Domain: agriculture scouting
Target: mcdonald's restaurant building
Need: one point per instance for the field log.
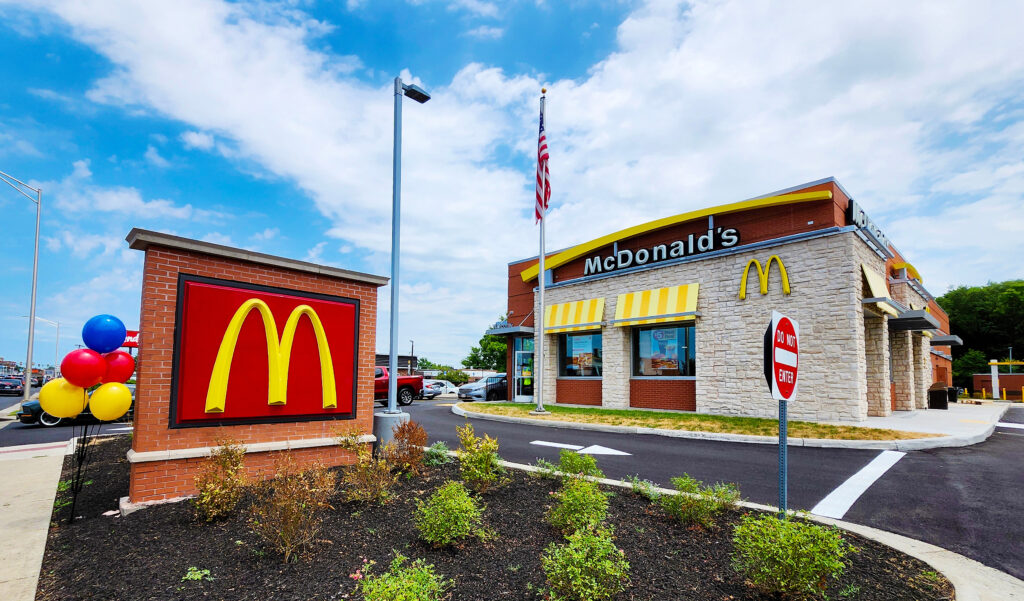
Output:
(671, 314)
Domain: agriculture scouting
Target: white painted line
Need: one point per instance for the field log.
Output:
(559, 445)
(1009, 425)
(785, 357)
(839, 501)
(599, 450)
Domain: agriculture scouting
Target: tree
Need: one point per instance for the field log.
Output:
(491, 353)
(424, 364)
(453, 375)
(989, 319)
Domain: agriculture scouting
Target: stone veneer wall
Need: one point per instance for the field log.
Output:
(922, 369)
(826, 282)
(901, 347)
(876, 341)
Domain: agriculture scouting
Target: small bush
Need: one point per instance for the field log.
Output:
(370, 479)
(437, 454)
(581, 505)
(478, 460)
(414, 582)
(286, 513)
(575, 464)
(410, 438)
(644, 488)
(789, 557)
(697, 504)
(450, 515)
(220, 481)
(587, 567)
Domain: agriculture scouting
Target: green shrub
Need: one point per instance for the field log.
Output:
(369, 479)
(220, 481)
(697, 504)
(546, 470)
(644, 488)
(409, 439)
(414, 582)
(581, 505)
(587, 567)
(436, 454)
(575, 464)
(790, 557)
(449, 515)
(287, 510)
(478, 460)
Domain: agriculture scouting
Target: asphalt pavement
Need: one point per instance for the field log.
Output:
(966, 499)
(13, 433)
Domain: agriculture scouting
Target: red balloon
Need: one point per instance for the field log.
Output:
(120, 367)
(83, 367)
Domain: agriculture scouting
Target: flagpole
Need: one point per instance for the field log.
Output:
(539, 317)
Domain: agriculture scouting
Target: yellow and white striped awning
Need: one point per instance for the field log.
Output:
(876, 284)
(574, 316)
(674, 303)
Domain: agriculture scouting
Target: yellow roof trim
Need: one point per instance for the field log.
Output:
(910, 270)
(758, 203)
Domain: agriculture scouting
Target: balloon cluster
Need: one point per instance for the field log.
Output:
(100, 363)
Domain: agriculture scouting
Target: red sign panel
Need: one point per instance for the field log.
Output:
(782, 356)
(131, 339)
(248, 354)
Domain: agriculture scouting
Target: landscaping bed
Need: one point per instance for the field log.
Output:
(147, 554)
(694, 422)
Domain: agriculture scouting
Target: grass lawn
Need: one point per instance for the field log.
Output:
(693, 422)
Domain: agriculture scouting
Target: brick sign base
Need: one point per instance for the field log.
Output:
(165, 460)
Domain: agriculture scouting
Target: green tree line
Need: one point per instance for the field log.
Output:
(990, 320)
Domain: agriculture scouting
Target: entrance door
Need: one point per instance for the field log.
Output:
(523, 385)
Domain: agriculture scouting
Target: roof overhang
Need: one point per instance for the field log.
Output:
(507, 330)
(915, 321)
(947, 340)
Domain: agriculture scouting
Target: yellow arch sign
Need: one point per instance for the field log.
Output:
(278, 355)
(762, 275)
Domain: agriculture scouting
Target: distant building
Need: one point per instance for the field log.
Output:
(381, 360)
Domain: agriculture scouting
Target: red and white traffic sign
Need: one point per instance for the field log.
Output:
(131, 339)
(782, 356)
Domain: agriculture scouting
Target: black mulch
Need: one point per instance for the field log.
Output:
(145, 555)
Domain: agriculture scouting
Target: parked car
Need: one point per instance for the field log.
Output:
(11, 385)
(492, 388)
(407, 387)
(32, 413)
(429, 391)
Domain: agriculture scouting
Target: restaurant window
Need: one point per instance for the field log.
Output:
(666, 351)
(579, 355)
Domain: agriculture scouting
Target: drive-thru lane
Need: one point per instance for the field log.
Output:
(968, 499)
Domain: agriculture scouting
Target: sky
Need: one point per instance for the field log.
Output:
(268, 125)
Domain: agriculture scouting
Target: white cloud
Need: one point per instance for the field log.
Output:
(218, 238)
(268, 234)
(197, 139)
(700, 104)
(485, 32)
(154, 158)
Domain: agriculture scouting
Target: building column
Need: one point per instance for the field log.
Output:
(549, 346)
(901, 349)
(615, 374)
(922, 370)
(876, 352)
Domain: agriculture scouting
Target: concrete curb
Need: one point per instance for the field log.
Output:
(916, 444)
(973, 581)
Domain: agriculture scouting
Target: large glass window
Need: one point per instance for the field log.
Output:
(579, 355)
(666, 351)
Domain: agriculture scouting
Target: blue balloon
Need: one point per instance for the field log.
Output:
(104, 333)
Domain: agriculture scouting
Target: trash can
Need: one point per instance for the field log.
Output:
(937, 398)
(951, 394)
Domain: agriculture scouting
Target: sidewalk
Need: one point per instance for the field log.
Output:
(29, 474)
(961, 425)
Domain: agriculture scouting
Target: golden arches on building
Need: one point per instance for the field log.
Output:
(762, 275)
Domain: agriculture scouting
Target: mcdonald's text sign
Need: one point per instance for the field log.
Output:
(246, 353)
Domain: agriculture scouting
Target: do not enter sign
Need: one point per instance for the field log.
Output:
(782, 356)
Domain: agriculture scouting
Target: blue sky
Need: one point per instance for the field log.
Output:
(268, 125)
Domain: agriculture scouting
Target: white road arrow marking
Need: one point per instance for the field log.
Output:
(559, 445)
(839, 501)
(599, 450)
(1009, 425)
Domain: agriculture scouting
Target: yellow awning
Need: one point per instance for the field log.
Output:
(675, 303)
(574, 316)
(876, 284)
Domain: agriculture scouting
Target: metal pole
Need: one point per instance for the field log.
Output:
(1011, 359)
(783, 459)
(539, 317)
(56, 353)
(412, 353)
(32, 309)
(396, 216)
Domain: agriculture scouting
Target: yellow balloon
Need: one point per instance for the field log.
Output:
(110, 401)
(61, 398)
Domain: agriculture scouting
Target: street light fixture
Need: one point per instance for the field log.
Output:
(419, 95)
(56, 354)
(21, 186)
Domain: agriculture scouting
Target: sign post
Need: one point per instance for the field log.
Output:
(781, 368)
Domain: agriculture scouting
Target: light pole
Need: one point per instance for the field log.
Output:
(420, 96)
(412, 353)
(56, 353)
(21, 186)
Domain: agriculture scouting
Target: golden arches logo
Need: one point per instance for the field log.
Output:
(762, 275)
(278, 355)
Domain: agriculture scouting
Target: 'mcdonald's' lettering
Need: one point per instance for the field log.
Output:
(278, 355)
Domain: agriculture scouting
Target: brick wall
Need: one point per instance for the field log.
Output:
(580, 392)
(163, 479)
(680, 395)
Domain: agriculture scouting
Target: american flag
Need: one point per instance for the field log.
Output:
(543, 183)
